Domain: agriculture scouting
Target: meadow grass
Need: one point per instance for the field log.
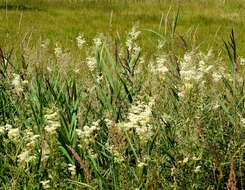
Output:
(147, 108)
(211, 21)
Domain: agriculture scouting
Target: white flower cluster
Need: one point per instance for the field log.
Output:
(63, 57)
(131, 38)
(194, 71)
(159, 68)
(91, 63)
(189, 71)
(18, 84)
(52, 121)
(98, 41)
(139, 118)
(113, 149)
(80, 41)
(30, 142)
(143, 162)
(88, 133)
(242, 61)
(45, 44)
(58, 51)
(13, 133)
(45, 184)
(72, 169)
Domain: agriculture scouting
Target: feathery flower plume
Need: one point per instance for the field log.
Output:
(91, 63)
(80, 41)
(139, 117)
(131, 38)
(52, 120)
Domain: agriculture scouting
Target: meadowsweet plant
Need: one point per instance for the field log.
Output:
(80, 41)
(109, 116)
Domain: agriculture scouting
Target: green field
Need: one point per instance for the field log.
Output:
(210, 21)
(122, 94)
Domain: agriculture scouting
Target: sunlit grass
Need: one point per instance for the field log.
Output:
(49, 19)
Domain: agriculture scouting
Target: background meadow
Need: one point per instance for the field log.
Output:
(125, 94)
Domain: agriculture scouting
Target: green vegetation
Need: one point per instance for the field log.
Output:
(122, 95)
(60, 20)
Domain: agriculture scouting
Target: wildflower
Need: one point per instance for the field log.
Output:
(72, 169)
(8, 126)
(13, 133)
(190, 75)
(88, 133)
(163, 70)
(99, 79)
(45, 184)
(136, 49)
(134, 34)
(242, 61)
(52, 120)
(132, 37)
(215, 105)
(159, 68)
(80, 41)
(49, 69)
(141, 164)
(186, 63)
(186, 159)
(5, 129)
(138, 118)
(97, 42)
(23, 157)
(216, 77)
(109, 123)
(141, 60)
(161, 44)
(197, 169)
(17, 83)
(24, 82)
(173, 170)
(45, 44)
(204, 68)
(91, 62)
(185, 89)
(161, 60)
(196, 158)
(16, 80)
(45, 152)
(52, 127)
(51, 116)
(118, 158)
(31, 141)
(58, 51)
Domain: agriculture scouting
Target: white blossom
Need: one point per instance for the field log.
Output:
(17, 83)
(23, 157)
(138, 118)
(97, 42)
(80, 41)
(13, 133)
(72, 169)
(58, 51)
(91, 63)
(45, 184)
